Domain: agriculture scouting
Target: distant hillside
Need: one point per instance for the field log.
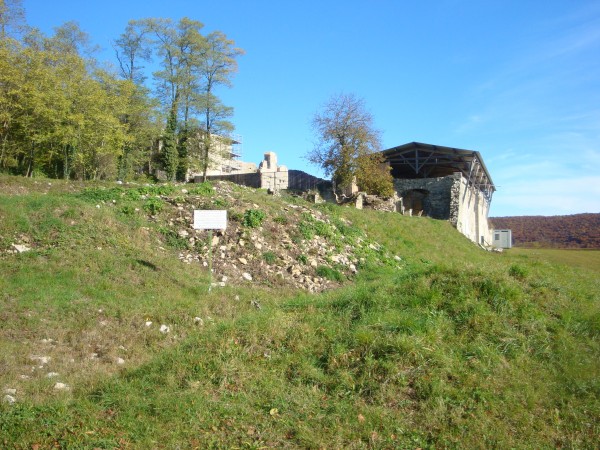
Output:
(574, 231)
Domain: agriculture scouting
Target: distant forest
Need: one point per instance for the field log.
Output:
(574, 231)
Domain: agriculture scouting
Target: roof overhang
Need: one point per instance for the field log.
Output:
(418, 160)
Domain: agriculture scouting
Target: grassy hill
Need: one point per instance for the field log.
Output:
(110, 338)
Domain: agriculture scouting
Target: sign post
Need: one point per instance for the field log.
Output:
(210, 219)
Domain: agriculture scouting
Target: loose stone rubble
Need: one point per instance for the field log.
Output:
(277, 252)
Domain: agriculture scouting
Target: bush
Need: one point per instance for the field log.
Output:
(253, 218)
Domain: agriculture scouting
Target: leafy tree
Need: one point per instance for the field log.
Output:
(346, 144)
(170, 155)
(63, 116)
(216, 69)
(373, 175)
(12, 18)
(132, 47)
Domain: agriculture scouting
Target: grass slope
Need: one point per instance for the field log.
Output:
(459, 348)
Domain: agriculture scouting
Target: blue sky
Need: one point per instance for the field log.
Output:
(518, 81)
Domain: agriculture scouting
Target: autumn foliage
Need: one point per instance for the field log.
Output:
(573, 231)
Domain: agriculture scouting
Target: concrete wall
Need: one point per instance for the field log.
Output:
(447, 198)
(472, 219)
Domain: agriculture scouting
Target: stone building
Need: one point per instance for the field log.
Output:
(272, 176)
(443, 183)
(268, 175)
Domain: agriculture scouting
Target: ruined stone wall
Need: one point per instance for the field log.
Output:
(447, 198)
(436, 200)
(244, 179)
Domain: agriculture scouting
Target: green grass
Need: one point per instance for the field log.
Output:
(581, 259)
(458, 349)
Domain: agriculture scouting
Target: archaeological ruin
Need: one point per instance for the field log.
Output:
(443, 183)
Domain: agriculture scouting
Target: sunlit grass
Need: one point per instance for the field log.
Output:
(459, 348)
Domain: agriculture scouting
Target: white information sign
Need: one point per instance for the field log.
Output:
(210, 219)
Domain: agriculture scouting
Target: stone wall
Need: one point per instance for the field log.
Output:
(430, 197)
(272, 175)
(243, 179)
(447, 198)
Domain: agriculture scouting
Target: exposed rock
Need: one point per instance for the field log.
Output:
(41, 359)
(164, 329)
(61, 387)
(21, 248)
(247, 276)
(9, 399)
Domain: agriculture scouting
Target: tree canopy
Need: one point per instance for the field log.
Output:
(347, 144)
(64, 115)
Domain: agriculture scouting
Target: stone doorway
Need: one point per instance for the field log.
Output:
(415, 201)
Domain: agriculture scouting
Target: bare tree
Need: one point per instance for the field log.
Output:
(345, 134)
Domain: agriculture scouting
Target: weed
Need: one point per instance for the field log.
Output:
(235, 216)
(281, 220)
(128, 210)
(220, 203)
(100, 194)
(253, 218)
(329, 273)
(153, 205)
(173, 239)
(302, 259)
(204, 189)
(269, 257)
(517, 271)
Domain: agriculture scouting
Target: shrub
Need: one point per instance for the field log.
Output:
(253, 218)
